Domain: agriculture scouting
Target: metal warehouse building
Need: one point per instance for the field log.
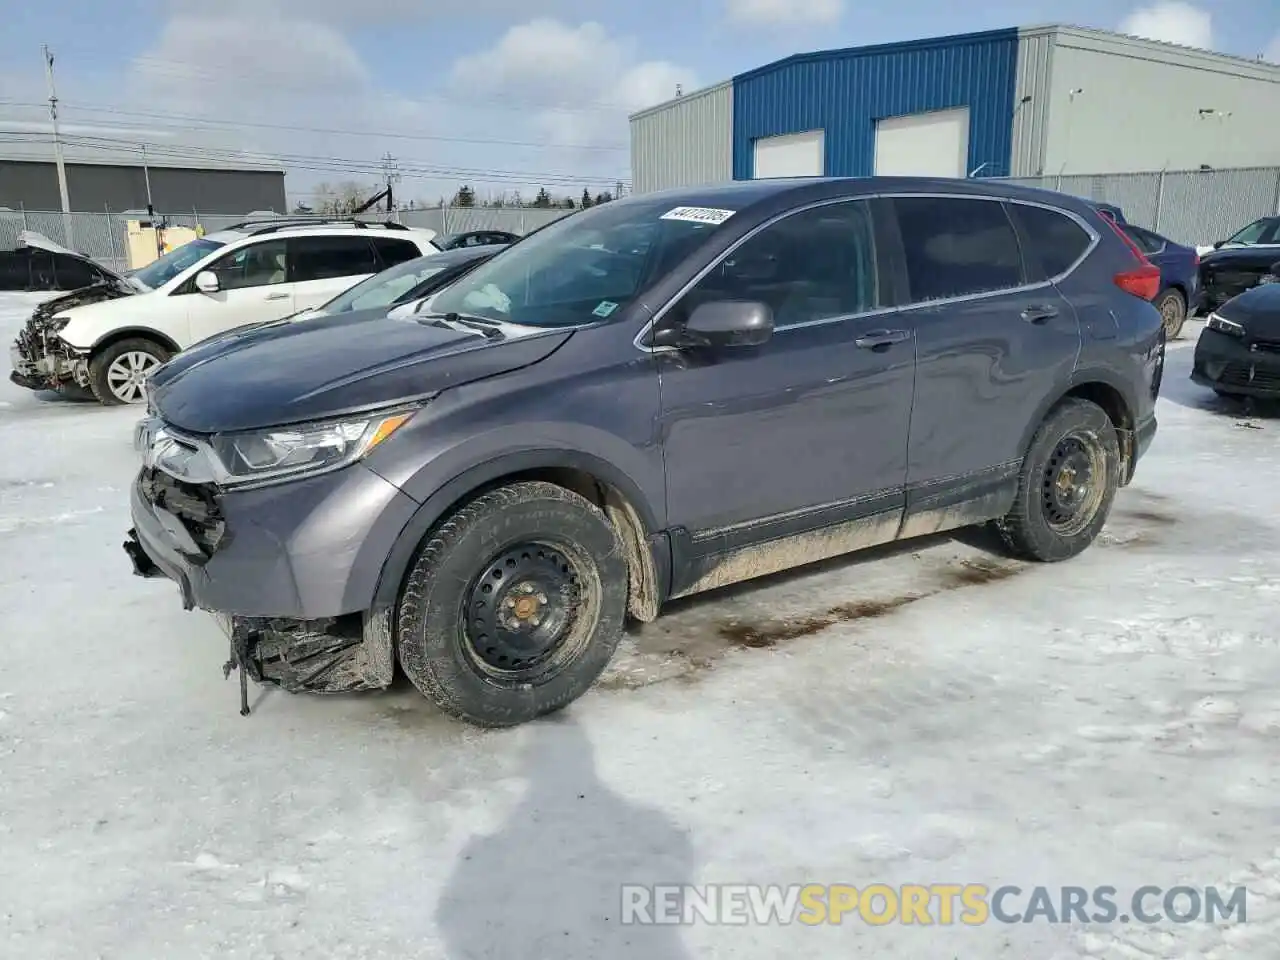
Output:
(101, 180)
(1036, 101)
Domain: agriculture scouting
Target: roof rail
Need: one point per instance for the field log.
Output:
(256, 227)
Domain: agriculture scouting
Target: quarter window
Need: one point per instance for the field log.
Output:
(257, 265)
(815, 265)
(324, 258)
(1053, 241)
(957, 247)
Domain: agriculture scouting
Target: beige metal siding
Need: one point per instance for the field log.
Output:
(684, 142)
(1031, 117)
(1141, 105)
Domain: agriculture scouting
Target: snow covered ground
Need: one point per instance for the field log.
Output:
(1112, 720)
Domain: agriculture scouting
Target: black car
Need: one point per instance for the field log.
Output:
(643, 401)
(37, 265)
(1238, 353)
(1230, 271)
(475, 238)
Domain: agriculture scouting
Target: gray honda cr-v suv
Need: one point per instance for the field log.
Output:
(655, 397)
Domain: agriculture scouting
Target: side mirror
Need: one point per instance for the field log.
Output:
(729, 323)
(207, 282)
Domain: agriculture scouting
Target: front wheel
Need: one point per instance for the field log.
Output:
(1068, 482)
(514, 606)
(118, 373)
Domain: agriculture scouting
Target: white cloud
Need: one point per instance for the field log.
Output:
(1172, 22)
(1272, 52)
(784, 12)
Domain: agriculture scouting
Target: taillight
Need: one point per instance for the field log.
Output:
(1144, 279)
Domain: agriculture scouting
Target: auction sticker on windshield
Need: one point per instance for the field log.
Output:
(698, 215)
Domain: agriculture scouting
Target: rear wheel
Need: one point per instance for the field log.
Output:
(118, 373)
(515, 605)
(1068, 482)
(1173, 313)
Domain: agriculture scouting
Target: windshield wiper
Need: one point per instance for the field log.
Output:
(485, 327)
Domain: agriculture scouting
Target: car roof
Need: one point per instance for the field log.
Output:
(319, 230)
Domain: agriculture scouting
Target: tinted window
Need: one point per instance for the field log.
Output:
(73, 273)
(257, 265)
(394, 251)
(813, 265)
(322, 258)
(956, 247)
(14, 271)
(1054, 241)
(43, 276)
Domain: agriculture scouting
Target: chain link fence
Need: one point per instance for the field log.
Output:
(1195, 207)
(104, 236)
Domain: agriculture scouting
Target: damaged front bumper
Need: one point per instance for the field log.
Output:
(289, 572)
(41, 361)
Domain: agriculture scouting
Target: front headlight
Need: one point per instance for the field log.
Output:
(1223, 325)
(306, 448)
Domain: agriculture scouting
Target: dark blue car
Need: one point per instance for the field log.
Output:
(1179, 275)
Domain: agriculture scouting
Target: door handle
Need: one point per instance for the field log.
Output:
(278, 296)
(1041, 313)
(881, 339)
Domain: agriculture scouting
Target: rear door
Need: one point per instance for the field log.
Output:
(991, 341)
(320, 268)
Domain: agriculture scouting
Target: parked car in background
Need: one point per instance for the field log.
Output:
(648, 399)
(39, 265)
(1111, 210)
(1232, 269)
(1179, 295)
(1238, 352)
(476, 238)
(110, 338)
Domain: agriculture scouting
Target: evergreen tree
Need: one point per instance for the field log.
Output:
(586, 198)
(543, 199)
(465, 197)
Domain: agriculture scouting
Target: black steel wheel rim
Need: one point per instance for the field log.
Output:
(526, 612)
(1072, 485)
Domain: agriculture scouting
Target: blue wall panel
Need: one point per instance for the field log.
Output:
(844, 92)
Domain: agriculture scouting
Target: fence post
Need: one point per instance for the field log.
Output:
(1058, 182)
(1277, 203)
(111, 235)
(23, 207)
(1159, 202)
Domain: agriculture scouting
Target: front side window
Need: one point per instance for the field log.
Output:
(814, 265)
(956, 247)
(584, 268)
(327, 258)
(159, 272)
(257, 265)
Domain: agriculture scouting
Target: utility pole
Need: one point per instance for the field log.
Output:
(57, 148)
(391, 171)
(146, 176)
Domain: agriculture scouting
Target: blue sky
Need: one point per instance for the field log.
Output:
(502, 94)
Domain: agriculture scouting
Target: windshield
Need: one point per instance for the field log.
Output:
(387, 287)
(584, 267)
(1253, 232)
(159, 272)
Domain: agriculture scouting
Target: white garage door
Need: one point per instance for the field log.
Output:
(923, 144)
(795, 155)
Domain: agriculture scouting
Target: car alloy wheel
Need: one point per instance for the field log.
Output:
(127, 375)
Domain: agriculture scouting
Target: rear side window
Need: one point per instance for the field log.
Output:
(1054, 241)
(393, 250)
(957, 247)
(818, 264)
(324, 258)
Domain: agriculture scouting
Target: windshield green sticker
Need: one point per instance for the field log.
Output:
(698, 215)
(605, 308)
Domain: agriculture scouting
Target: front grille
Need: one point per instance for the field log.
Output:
(1249, 375)
(195, 505)
(1266, 346)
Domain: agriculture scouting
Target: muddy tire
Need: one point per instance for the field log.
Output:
(117, 372)
(1067, 484)
(1173, 313)
(514, 606)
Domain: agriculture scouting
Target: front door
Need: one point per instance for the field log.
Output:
(800, 442)
(992, 341)
(252, 288)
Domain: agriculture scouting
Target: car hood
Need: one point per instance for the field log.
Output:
(83, 297)
(295, 370)
(1255, 255)
(1257, 310)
